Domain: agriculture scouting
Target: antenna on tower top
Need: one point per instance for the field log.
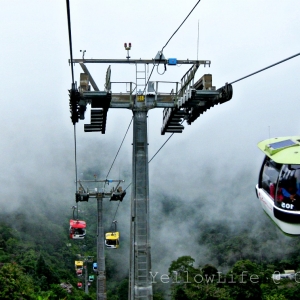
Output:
(83, 52)
(127, 48)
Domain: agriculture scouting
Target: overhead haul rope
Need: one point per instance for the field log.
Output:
(152, 72)
(73, 85)
(75, 163)
(117, 152)
(151, 75)
(179, 26)
(170, 40)
(161, 146)
(113, 164)
(115, 214)
(114, 218)
(70, 39)
(163, 73)
(265, 68)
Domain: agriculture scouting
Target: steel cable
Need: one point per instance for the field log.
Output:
(265, 68)
(70, 39)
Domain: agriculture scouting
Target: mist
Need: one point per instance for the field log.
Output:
(202, 178)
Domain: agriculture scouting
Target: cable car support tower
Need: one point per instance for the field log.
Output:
(83, 195)
(186, 101)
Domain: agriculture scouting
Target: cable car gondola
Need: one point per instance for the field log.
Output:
(79, 285)
(278, 187)
(95, 267)
(78, 265)
(91, 278)
(77, 229)
(112, 239)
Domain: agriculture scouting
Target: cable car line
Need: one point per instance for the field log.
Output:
(161, 146)
(149, 78)
(265, 68)
(118, 149)
(74, 116)
(70, 39)
(106, 181)
(73, 89)
(128, 186)
(179, 26)
(114, 218)
(115, 223)
(155, 154)
(169, 41)
(75, 163)
(113, 164)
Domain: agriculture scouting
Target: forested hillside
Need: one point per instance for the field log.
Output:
(37, 256)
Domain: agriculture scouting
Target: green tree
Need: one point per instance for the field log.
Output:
(122, 290)
(244, 281)
(45, 276)
(28, 260)
(192, 283)
(179, 294)
(275, 297)
(182, 269)
(15, 285)
(206, 285)
(181, 272)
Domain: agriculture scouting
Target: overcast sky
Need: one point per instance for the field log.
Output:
(239, 37)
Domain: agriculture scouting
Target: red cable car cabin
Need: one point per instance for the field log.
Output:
(77, 229)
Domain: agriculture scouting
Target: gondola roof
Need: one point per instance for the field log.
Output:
(112, 235)
(78, 262)
(77, 224)
(282, 150)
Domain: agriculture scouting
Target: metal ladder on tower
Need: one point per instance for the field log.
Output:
(142, 253)
(140, 78)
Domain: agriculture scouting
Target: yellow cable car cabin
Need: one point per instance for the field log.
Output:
(112, 240)
(78, 265)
